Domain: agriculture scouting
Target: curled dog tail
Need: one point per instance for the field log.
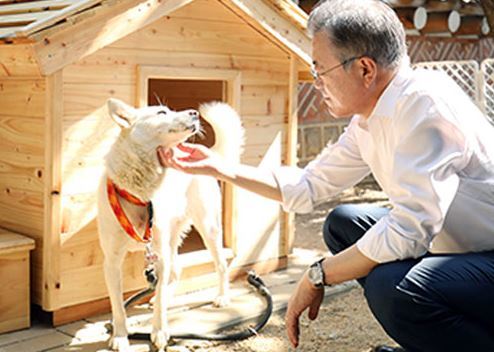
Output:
(228, 130)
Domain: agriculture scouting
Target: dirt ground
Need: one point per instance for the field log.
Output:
(345, 323)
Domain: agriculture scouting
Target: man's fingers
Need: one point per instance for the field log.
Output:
(187, 147)
(313, 311)
(315, 305)
(292, 330)
(165, 155)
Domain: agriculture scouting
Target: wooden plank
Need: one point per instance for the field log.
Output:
(50, 20)
(24, 18)
(292, 11)
(22, 97)
(206, 10)
(22, 178)
(288, 232)
(255, 154)
(10, 242)
(230, 208)
(81, 255)
(34, 6)
(18, 60)
(256, 121)
(265, 135)
(85, 284)
(82, 101)
(79, 209)
(116, 57)
(21, 156)
(9, 31)
(22, 211)
(53, 189)
(251, 77)
(24, 136)
(86, 37)
(201, 36)
(107, 73)
(37, 272)
(276, 104)
(14, 291)
(266, 19)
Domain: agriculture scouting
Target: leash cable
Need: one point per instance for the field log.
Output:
(252, 278)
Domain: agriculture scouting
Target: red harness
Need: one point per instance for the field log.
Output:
(113, 193)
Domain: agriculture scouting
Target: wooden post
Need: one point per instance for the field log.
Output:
(488, 6)
(405, 3)
(473, 25)
(291, 149)
(405, 14)
(436, 21)
(52, 191)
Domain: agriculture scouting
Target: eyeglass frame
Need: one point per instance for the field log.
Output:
(317, 76)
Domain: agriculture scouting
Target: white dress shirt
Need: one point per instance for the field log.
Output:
(432, 152)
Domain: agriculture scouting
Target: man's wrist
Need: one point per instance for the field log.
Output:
(316, 274)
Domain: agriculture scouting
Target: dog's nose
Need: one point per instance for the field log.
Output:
(194, 114)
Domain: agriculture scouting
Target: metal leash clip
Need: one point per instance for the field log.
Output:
(149, 271)
(151, 256)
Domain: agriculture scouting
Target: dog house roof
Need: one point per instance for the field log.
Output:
(44, 23)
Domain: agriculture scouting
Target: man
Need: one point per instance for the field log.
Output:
(426, 265)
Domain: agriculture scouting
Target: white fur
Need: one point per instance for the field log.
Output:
(179, 200)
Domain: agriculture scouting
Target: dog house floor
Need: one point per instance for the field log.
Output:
(90, 334)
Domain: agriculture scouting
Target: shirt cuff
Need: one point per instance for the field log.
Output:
(382, 244)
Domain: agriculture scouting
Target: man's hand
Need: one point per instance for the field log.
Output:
(196, 159)
(305, 296)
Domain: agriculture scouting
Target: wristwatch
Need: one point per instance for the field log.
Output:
(316, 274)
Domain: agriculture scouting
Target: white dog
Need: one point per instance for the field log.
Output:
(178, 199)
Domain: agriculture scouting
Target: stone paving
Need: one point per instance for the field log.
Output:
(90, 334)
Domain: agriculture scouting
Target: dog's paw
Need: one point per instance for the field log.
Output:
(119, 343)
(159, 338)
(221, 301)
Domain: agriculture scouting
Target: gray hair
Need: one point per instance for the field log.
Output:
(361, 28)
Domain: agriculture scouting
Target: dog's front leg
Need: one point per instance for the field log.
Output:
(113, 276)
(160, 333)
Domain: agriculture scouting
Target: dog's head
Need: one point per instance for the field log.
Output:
(154, 126)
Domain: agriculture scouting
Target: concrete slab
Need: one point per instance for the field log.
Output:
(26, 334)
(39, 343)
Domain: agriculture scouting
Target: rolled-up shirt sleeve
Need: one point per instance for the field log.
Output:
(429, 150)
(336, 168)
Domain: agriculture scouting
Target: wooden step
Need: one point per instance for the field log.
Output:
(14, 281)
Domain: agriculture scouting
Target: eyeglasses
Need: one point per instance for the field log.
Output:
(317, 75)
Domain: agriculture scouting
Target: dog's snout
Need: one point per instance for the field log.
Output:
(194, 114)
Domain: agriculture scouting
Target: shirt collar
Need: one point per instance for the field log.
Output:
(386, 104)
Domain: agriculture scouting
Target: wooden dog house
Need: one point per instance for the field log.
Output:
(60, 60)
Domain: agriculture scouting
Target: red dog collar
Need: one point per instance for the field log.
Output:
(122, 218)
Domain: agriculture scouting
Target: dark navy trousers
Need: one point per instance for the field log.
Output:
(435, 303)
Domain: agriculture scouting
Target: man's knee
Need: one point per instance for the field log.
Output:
(391, 306)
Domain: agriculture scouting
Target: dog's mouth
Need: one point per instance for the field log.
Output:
(193, 128)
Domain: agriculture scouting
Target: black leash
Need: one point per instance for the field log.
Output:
(253, 280)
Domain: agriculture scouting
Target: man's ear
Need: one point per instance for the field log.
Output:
(368, 69)
(123, 114)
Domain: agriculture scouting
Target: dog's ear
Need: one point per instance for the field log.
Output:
(123, 114)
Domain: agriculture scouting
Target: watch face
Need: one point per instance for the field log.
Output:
(315, 275)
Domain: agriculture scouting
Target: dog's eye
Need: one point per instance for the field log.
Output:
(162, 112)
